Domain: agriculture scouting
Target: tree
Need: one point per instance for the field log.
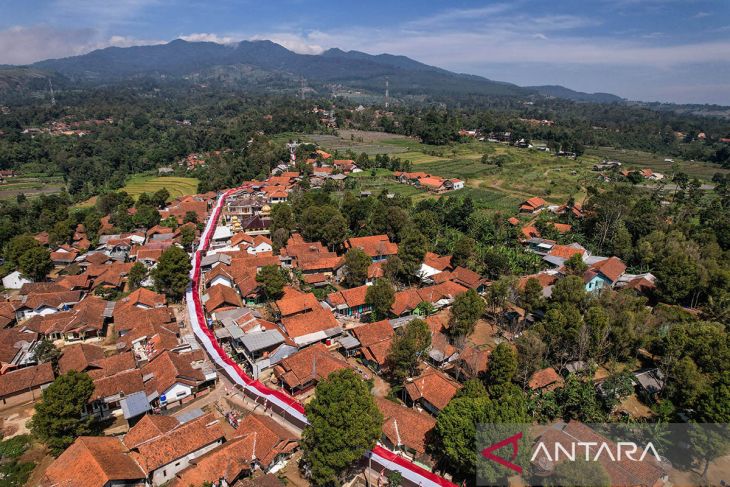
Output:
(17, 246)
(190, 217)
(356, 267)
(160, 197)
(531, 297)
(578, 401)
(171, 275)
(617, 387)
(569, 290)
(137, 274)
(344, 423)
(45, 352)
(407, 348)
(575, 265)
(187, 236)
(530, 355)
(501, 368)
(380, 297)
(468, 307)
(411, 250)
(35, 263)
(146, 216)
(272, 280)
(60, 415)
(463, 251)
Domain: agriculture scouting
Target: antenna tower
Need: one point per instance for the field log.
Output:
(386, 92)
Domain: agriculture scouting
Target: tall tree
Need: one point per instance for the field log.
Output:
(411, 250)
(356, 267)
(272, 280)
(60, 415)
(502, 366)
(468, 307)
(344, 423)
(137, 274)
(380, 296)
(171, 275)
(35, 263)
(407, 349)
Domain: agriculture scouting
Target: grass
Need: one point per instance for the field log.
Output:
(30, 186)
(136, 185)
(639, 159)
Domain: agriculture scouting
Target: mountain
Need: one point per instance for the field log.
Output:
(557, 91)
(267, 65)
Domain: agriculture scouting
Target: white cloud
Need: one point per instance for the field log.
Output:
(302, 44)
(700, 15)
(210, 37)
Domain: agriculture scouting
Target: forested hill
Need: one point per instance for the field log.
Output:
(267, 64)
(568, 94)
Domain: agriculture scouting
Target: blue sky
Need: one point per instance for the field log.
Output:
(667, 50)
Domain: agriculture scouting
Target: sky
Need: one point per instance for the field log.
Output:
(650, 50)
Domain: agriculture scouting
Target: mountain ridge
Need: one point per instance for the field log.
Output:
(333, 67)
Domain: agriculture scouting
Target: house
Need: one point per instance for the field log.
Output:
(226, 464)
(472, 362)
(558, 254)
(79, 357)
(464, 277)
(303, 370)
(545, 380)
(375, 341)
(405, 429)
(454, 184)
(377, 247)
(220, 297)
(163, 449)
(532, 205)
(260, 244)
(273, 444)
(650, 383)
(350, 302)
(143, 298)
(170, 378)
(434, 264)
(45, 303)
(432, 390)
(94, 460)
(16, 348)
(24, 385)
(604, 273)
(442, 353)
(15, 280)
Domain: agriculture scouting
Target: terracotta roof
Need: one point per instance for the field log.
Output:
(513, 221)
(566, 251)
(431, 182)
(307, 323)
(475, 361)
(535, 202)
(529, 232)
(434, 386)
(227, 461)
(371, 333)
(40, 288)
(436, 261)
(20, 380)
(79, 357)
(544, 279)
(114, 364)
(63, 257)
(352, 298)
(12, 341)
(271, 438)
(220, 296)
(545, 379)
(439, 322)
(150, 426)
(375, 270)
(374, 246)
(612, 268)
(405, 426)
(92, 461)
(144, 297)
(86, 316)
(314, 278)
(467, 277)
(169, 368)
(313, 363)
(561, 227)
(124, 383)
(297, 303)
(178, 442)
(129, 317)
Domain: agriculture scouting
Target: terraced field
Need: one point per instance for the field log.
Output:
(177, 186)
(30, 186)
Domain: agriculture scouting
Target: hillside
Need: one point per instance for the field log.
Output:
(568, 94)
(207, 60)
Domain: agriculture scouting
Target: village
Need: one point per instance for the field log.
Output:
(172, 416)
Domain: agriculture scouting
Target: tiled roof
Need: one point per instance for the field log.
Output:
(178, 442)
(612, 268)
(545, 379)
(12, 340)
(535, 202)
(312, 363)
(114, 364)
(297, 303)
(434, 386)
(220, 296)
(26, 378)
(311, 322)
(169, 368)
(566, 251)
(374, 246)
(79, 357)
(92, 461)
(271, 438)
(436, 261)
(227, 461)
(144, 297)
(352, 298)
(405, 426)
(126, 383)
(150, 426)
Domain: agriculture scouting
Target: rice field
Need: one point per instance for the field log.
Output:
(177, 186)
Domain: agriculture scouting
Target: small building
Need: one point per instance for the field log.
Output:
(15, 280)
(532, 205)
(432, 390)
(545, 380)
(24, 385)
(349, 302)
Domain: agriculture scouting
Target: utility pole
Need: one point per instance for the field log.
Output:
(301, 87)
(386, 92)
(50, 87)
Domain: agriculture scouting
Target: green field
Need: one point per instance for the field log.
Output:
(136, 185)
(30, 186)
(657, 163)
